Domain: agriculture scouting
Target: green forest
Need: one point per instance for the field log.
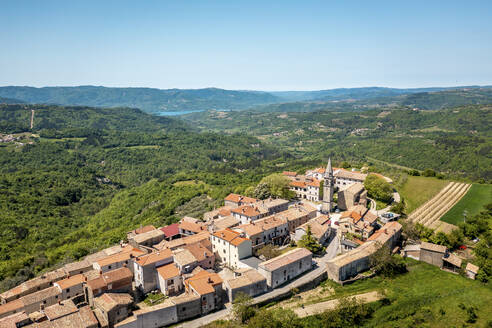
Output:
(456, 142)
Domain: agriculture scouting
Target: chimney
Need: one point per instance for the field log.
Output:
(41, 307)
(100, 272)
(209, 280)
(59, 302)
(386, 231)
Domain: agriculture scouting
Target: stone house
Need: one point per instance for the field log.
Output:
(147, 239)
(354, 195)
(36, 284)
(184, 260)
(249, 282)
(248, 213)
(71, 286)
(285, 267)
(40, 300)
(171, 231)
(345, 178)
(432, 253)
(145, 272)
(169, 279)
(471, 270)
(208, 286)
(297, 215)
(320, 229)
(78, 267)
(269, 230)
(118, 260)
(160, 315)
(139, 231)
(113, 307)
(190, 226)
(202, 252)
(230, 247)
(114, 281)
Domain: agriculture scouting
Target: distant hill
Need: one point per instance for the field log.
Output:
(147, 99)
(10, 101)
(16, 118)
(430, 100)
(359, 93)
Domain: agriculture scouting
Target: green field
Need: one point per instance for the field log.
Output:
(473, 202)
(423, 294)
(417, 190)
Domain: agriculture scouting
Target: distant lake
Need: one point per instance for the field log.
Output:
(182, 112)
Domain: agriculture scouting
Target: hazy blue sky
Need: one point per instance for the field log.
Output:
(282, 45)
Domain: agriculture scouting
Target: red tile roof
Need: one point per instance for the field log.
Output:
(171, 230)
(232, 237)
(289, 173)
(238, 198)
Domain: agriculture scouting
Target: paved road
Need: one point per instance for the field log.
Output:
(331, 252)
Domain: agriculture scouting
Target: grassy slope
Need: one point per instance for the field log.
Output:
(417, 190)
(423, 291)
(473, 202)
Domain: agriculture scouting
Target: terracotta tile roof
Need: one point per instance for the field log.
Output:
(171, 230)
(363, 251)
(109, 301)
(154, 257)
(250, 229)
(289, 173)
(294, 213)
(120, 257)
(144, 229)
(285, 259)
(386, 232)
(433, 247)
(235, 198)
(77, 266)
(317, 229)
(146, 236)
(193, 227)
(247, 278)
(471, 267)
(226, 222)
(12, 292)
(183, 257)
(41, 295)
(110, 277)
(314, 183)
(83, 318)
(168, 271)
(300, 184)
(231, 237)
(172, 244)
(225, 211)
(345, 174)
(199, 251)
(56, 311)
(204, 282)
(249, 210)
(11, 306)
(12, 320)
(354, 188)
(78, 279)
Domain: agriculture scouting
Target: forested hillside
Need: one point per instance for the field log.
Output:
(147, 99)
(380, 98)
(86, 176)
(457, 141)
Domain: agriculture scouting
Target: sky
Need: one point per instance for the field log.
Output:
(247, 45)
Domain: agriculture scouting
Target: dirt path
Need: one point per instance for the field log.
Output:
(332, 304)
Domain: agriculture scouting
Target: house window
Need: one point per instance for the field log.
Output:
(68, 290)
(300, 265)
(109, 267)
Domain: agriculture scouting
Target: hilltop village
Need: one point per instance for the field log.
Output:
(189, 269)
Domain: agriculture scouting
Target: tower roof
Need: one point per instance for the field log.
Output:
(329, 169)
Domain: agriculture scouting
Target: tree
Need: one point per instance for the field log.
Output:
(399, 208)
(309, 242)
(378, 188)
(382, 262)
(242, 309)
(262, 191)
(278, 186)
(269, 251)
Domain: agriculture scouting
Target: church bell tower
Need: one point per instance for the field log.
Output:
(328, 188)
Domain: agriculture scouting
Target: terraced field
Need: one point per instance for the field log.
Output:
(429, 213)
